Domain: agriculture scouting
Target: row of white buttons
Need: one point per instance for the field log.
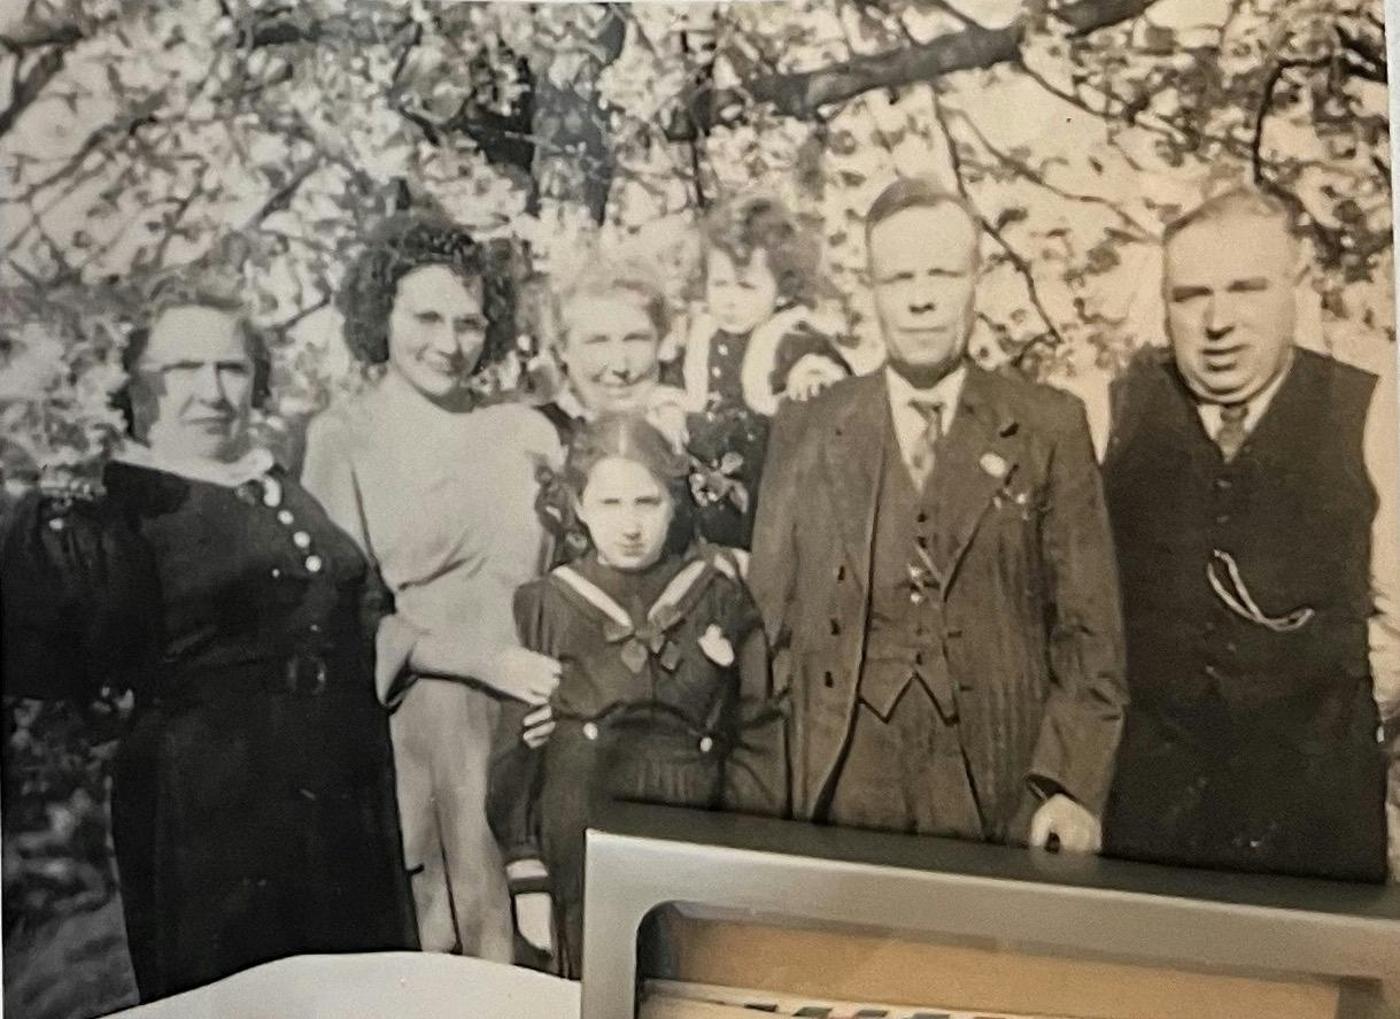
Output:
(272, 498)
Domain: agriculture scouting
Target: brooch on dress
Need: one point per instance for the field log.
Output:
(716, 646)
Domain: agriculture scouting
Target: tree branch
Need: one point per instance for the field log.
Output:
(36, 36)
(287, 325)
(1022, 170)
(282, 197)
(1018, 261)
(31, 85)
(800, 94)
(1367, 60)
(139, 115)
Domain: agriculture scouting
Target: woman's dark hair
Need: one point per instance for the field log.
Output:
(200, 292)
(758, 225)
(632, 437)
(404, 243)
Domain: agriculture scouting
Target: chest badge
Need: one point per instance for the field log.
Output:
(717, 647)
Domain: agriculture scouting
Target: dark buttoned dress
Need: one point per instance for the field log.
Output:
(253, 795)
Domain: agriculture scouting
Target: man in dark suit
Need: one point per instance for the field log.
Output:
(1246, 479)
(932, 559)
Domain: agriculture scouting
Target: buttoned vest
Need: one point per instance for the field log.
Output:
(904, 642)
(1285, 525)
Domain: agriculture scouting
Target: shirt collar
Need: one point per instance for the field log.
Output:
(946, 391)
(1255, 407)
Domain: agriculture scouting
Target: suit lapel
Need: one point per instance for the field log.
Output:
(853, 458)
(977, 460)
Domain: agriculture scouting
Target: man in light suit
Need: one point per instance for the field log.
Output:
(933, 562)
(1252, 489)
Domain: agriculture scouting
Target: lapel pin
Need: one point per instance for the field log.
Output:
(993, 465)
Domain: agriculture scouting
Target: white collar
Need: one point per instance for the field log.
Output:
(253, 464)
(946, 391)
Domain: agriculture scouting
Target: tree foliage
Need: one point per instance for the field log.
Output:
(146, 135)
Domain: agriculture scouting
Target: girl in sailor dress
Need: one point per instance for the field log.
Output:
(664, 695)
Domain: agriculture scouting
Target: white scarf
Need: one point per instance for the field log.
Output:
(229, 474)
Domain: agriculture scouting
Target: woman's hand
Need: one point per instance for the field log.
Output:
(523, 674)
(537, 727)
(810, 375)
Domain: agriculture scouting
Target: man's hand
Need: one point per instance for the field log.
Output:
(537, 727)
(666, 413)
(1074, 828)
(810, 375)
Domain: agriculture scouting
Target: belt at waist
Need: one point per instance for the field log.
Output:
(301, 674)
(652, 724)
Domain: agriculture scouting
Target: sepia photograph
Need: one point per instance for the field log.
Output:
(424, 423)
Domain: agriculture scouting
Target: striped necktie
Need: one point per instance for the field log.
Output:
(925, 451)
(1231, 434)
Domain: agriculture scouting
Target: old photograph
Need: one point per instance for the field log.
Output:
(423, 422)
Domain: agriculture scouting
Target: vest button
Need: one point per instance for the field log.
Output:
(590, 731)
(835, 627)
(1223, 518)
(829, 680)
(922, 517)
(1223, 484)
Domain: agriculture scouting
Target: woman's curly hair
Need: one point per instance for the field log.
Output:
(743, 226)
(408, 241)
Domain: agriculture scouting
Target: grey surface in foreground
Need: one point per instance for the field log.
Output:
(644, 856)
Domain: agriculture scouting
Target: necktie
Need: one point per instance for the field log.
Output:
(925, 451)
(1231, 434)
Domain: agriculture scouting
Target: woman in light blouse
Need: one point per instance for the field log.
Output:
(439, 484)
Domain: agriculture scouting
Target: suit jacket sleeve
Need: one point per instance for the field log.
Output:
(1084, 710)
(773, 566)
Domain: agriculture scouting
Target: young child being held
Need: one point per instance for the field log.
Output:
(755, 343)
(664, 695)
(751, 346)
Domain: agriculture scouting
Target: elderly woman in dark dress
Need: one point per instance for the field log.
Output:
(253, 796)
